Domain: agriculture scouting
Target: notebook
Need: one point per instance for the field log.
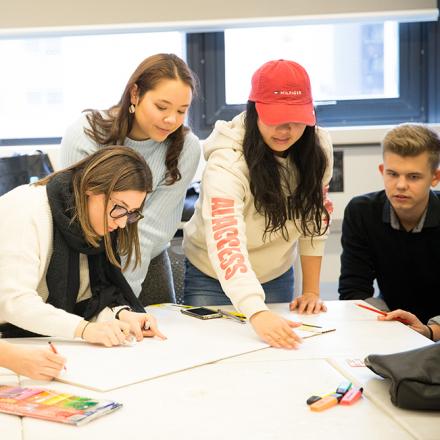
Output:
(46, 404)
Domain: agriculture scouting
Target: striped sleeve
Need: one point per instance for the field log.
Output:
(163, 211)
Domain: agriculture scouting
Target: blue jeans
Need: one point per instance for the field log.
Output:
(202, 290)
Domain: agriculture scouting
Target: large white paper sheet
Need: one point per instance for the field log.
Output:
(191, 342)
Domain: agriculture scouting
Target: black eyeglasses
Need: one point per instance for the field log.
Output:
(119, 211)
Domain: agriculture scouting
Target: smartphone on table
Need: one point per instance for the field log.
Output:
(201, 313)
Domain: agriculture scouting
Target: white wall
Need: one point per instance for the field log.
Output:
(199, 14)
(361, 175)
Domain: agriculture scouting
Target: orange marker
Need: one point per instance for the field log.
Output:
(324, 403)
(54, 350)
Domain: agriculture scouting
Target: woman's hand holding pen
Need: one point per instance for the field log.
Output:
(275, 330)
(108, 333)
(308, 303)
(36, 363)
(141, 324)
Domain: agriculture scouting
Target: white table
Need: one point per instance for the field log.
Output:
(259, 395)
(421, 424)
(242, 400)
(358, 333)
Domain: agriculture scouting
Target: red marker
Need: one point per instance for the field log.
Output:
(54, 350)
(351, 396)
(403, 321)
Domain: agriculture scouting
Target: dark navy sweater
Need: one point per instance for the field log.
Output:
(406, 265)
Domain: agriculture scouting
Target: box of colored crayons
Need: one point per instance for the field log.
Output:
(52, 405)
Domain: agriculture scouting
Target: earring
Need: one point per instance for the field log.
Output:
(131, 109)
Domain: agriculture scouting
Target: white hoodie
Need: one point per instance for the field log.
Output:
(224, 238)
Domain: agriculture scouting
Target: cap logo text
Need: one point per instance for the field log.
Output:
(287, 92)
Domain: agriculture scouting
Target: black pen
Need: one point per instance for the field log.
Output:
(231, 316)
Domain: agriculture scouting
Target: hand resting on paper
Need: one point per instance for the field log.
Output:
(141, 324)
(108, 333)
(308, 303)
(275, 330)
(35, 363)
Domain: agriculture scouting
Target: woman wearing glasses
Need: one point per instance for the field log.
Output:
(60, 245)
(149, 118)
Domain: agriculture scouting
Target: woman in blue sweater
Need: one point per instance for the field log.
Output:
(149, 118)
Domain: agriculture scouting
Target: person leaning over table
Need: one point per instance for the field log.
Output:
(60, 245)
(149, 118)
(262, 197)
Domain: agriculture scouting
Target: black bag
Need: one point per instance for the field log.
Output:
(414, 375)
(21, 169)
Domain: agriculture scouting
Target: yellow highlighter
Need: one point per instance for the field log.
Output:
(238, 315)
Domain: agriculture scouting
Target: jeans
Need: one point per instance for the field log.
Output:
(202, 290)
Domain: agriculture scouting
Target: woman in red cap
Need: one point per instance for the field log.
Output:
(261, 201)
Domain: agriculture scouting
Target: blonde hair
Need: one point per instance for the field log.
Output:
(110, 169)
(410, 140)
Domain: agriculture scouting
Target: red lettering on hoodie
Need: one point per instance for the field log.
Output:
(222, 206)
(225, 235)
(222, 222)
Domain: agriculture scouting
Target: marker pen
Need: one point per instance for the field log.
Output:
(324, 403)
(351, 396)
(343, 387)
(313, 399)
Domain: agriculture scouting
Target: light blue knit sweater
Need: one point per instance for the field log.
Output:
(163, 207)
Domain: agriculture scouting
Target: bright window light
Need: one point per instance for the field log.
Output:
(46, 82)
(344, 61)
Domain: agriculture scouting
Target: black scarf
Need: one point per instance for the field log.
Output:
(108, 285)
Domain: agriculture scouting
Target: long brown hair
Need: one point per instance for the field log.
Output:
(114, 124)
(108, 170)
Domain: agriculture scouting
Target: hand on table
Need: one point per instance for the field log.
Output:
(141, 324)
(108, 333)
(411, 320)
(275, 330)
(308, 303)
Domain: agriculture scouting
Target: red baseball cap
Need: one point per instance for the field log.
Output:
(282, 93)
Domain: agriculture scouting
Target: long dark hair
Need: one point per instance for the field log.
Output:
(269, 180)
(112, 127)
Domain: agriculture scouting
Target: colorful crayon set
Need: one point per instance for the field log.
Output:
(52, 405)
(345, 394)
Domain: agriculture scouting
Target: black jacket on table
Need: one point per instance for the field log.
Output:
(406, 265)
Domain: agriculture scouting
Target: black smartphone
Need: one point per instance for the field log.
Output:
(201, 313)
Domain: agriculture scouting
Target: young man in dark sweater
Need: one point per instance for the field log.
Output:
(393, 236)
